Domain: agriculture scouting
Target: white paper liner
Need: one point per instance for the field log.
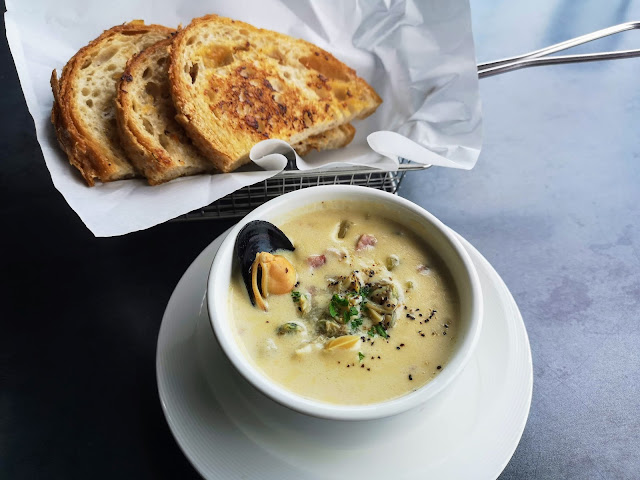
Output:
(417, 54)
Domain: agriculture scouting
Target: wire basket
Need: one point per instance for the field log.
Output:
(241, 202)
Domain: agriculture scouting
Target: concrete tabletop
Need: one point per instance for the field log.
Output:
(553, 204)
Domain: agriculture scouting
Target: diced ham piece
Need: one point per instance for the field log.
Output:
(316, 261)
(366, 241)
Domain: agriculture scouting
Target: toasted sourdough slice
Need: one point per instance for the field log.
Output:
(83, 112)
(234, 85)
(156, 144)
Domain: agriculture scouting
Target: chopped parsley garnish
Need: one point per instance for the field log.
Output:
(336, 302)
(356, 323)
(360, 356)
(296, 296)
(381, 331)
(377, 330)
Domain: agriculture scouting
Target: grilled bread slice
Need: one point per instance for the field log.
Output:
(234, 85)
(155, 143)
(83, 112)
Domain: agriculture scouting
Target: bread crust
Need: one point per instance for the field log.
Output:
(330, 140)
(94, 160)
(233, 111)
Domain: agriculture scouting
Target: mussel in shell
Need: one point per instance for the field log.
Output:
(263, 272)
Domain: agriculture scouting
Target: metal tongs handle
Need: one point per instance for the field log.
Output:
(539, 57)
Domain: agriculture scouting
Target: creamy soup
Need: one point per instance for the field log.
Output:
(373, 313)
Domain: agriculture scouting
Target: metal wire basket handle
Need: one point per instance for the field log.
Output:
(539, 57)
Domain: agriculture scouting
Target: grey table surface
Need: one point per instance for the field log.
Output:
(553, 204)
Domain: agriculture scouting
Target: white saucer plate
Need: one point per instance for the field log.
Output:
(229, 430)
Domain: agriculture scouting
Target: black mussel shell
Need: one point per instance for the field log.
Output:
(258, 236)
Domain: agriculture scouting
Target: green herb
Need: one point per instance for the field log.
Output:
(360, 356)
(364, 292)
(377, 330)
(338, 300)
(353, 311)
(296, 296)
(356, 323)
(381, 331)
(346, 316)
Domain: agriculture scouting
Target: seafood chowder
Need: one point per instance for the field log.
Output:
(342, 304)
